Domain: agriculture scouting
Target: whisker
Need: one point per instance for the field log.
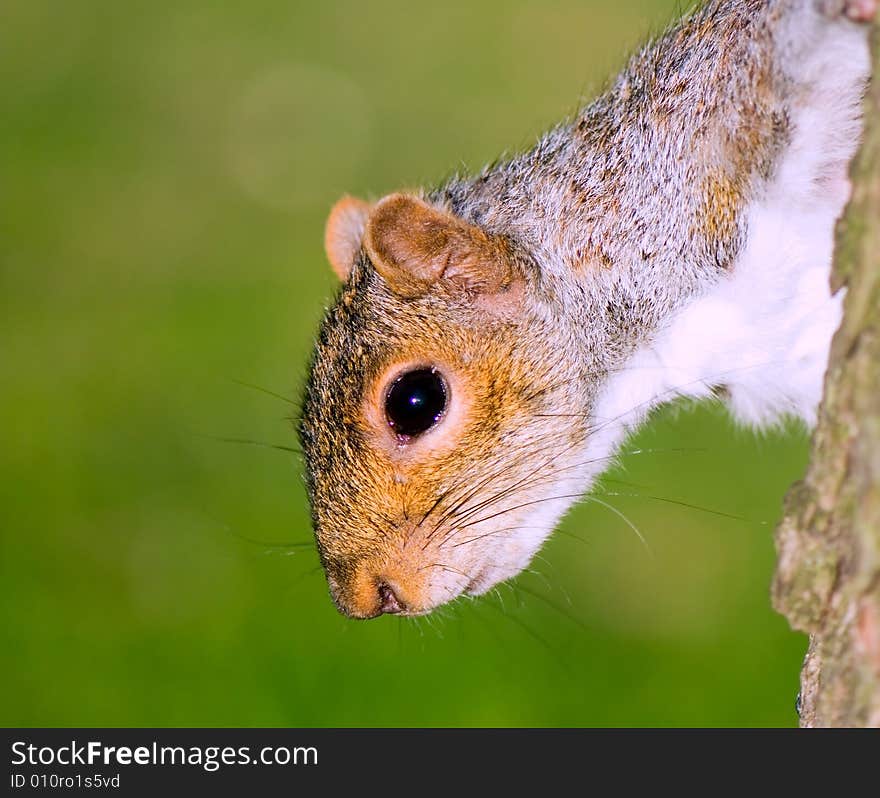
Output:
(475, 611)
(534, 572)
(493, 532)
(571, 535)
(543, 479)
(264, 390)
(492, 475)
(689, 506)
(516, 485)
(534, 635)
(249, 442)
(553, 605)
(519, 506)
(550, 478)
(623, 517)
(497, 593)
(268, 544)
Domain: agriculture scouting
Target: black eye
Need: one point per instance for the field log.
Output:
(415, 402)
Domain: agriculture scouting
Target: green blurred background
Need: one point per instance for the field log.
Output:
(165, 172)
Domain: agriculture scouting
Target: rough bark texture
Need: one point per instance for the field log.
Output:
(828, 574)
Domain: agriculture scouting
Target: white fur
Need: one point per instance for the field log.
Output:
(764, 332)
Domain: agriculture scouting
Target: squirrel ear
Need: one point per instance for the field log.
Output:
(413, 245)
(343, 233)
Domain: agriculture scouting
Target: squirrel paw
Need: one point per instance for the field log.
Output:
(856, 10)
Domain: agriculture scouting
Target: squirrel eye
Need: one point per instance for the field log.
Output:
(415, 402)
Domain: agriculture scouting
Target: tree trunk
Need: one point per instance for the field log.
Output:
(827, 579)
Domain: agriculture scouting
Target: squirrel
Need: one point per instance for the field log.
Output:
(496, 338)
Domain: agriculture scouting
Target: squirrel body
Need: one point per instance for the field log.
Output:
(498, 337)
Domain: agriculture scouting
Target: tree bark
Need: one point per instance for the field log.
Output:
(827, 580)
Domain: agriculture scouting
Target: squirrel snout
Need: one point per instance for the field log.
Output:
(370, 592)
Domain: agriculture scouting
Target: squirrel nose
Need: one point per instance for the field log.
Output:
(388, 600)
(368, 591)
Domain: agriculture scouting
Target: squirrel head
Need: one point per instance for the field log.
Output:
(432, 410)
